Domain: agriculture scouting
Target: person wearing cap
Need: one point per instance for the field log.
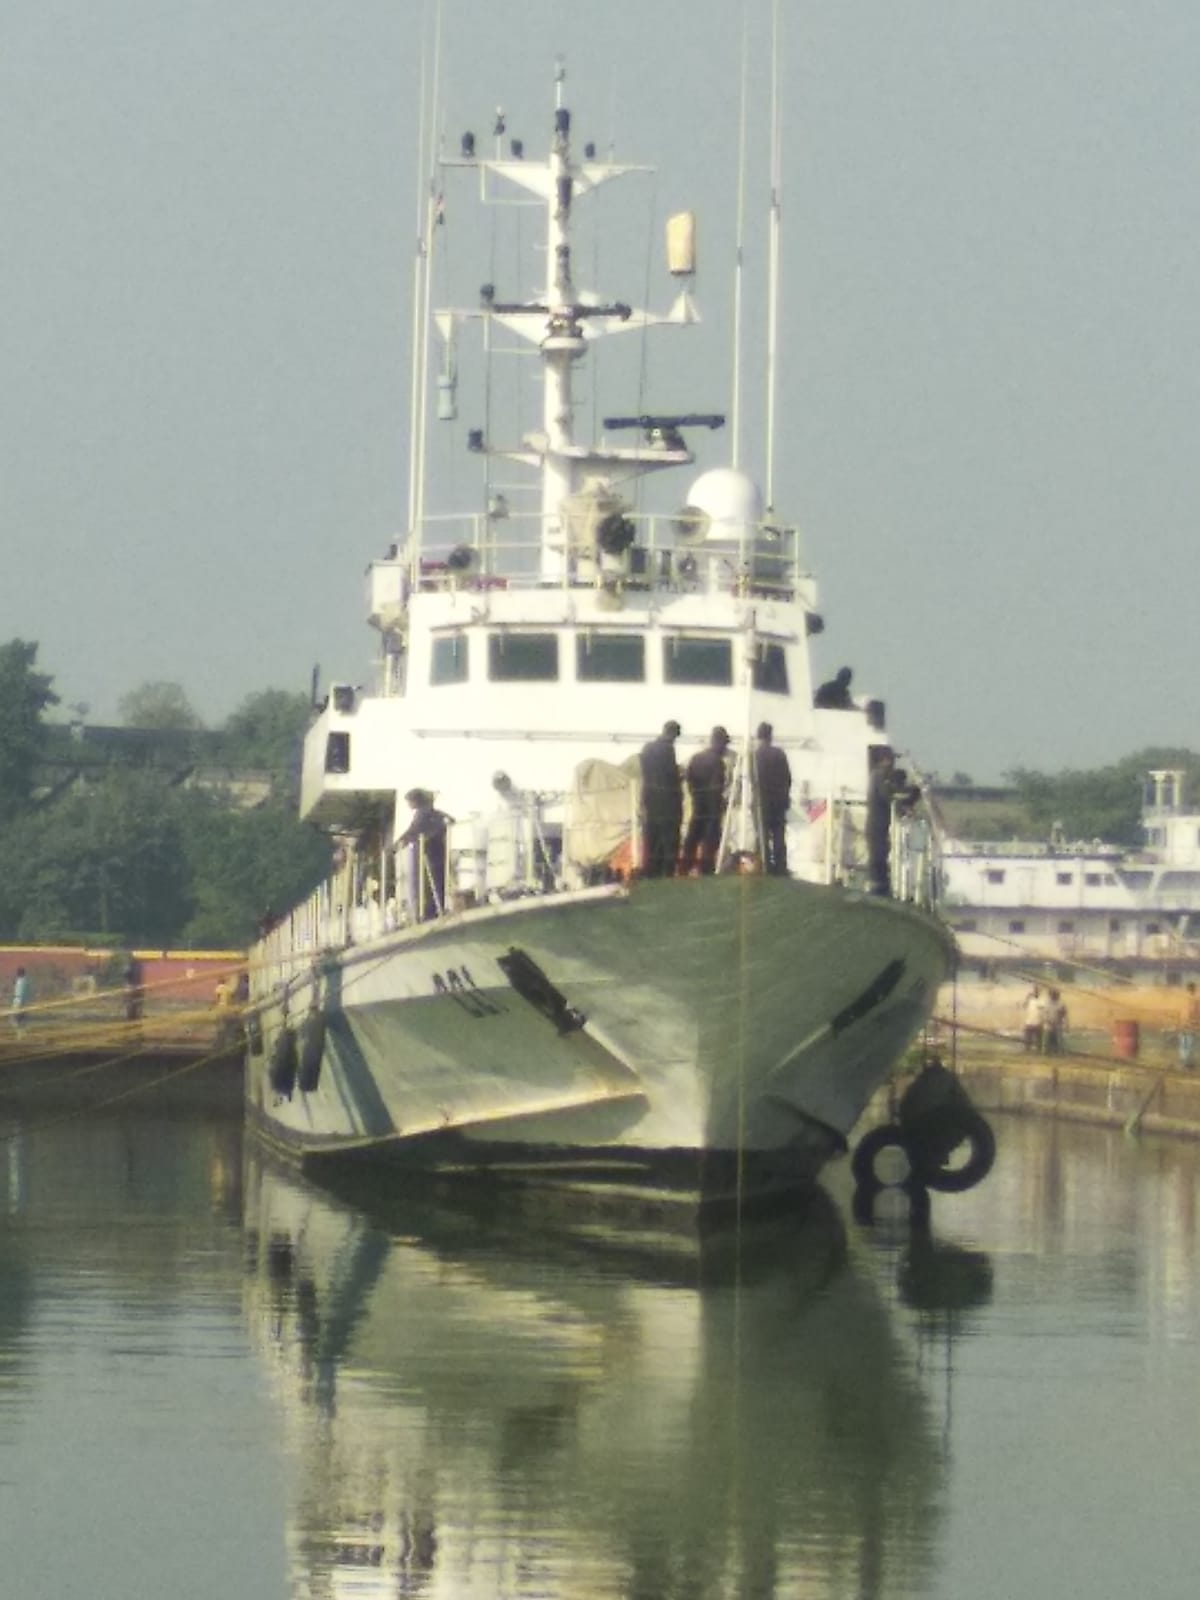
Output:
(662, 804)
(706, 779)
(773, 787)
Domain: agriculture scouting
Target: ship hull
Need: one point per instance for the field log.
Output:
(695, 1039)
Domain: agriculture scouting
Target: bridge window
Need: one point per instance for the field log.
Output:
(523, 657)
(449, 660)
(995, 875)
(337, 753)
(695, 658)
(770, 669)
(610, 657)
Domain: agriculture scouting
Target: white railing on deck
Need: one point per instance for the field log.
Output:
(481, 551)
(524, 853)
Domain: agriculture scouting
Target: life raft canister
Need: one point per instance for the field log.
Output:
(281, 1070)
(312, 1050)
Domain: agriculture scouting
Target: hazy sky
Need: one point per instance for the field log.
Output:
(990, 354)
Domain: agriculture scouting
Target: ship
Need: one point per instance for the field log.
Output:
(501, 976)
(1115, 911)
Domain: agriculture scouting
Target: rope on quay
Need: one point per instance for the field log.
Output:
(49, 1030)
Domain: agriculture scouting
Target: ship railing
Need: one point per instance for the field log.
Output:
(644, 551)
(520, 851)
(828, 844)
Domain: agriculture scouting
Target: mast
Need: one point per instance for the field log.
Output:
(735, 407)
(561, 323)
(428, 217)
(773, 259)
(563, 344)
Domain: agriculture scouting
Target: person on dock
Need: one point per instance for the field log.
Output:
(1189, 1026)
(20, 999)
(135, 994)
(706, 780)
(1055, 1024)
(226, 1012)
(662, 804)
(1033, 1032)
(773, 784)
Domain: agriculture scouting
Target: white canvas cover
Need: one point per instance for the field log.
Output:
(602, 808)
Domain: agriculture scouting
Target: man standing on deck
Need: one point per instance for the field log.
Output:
(883, 787)
(662, 804)
(706, 780)
(426, 832)
(773, 785)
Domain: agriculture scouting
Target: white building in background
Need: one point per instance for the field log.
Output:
(1136, 912)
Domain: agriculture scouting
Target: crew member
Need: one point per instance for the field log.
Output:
(884, 786)
(706, 778)
(662, 804)
(773, 783)
(835, 695)
(426, 832)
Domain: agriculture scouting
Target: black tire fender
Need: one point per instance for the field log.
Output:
(939, 1135)
(281, 1070)
(312, 1050)
(872, 1144)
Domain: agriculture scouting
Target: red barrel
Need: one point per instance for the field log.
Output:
(1126, 1039)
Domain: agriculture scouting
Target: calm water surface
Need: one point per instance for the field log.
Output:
(219, 1382)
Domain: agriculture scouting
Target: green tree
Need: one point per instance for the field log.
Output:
(160, 705)
(25, 695)
(241, 862)
(104, 861)
(266, 730)
(1103, 802)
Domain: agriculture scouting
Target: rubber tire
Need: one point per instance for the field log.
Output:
(311, 1052)
(285, 1059)
(970, 1126)
(862, 1162)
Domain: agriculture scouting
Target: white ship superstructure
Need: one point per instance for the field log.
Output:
(524, 997)
(1134, 911)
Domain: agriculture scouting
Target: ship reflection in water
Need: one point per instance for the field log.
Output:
(475, 1411)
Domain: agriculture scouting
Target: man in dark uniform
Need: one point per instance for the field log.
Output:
(706, 786)
(773, 785)
(426, 832)
(662, 804)
(835, 695)
(885, 786)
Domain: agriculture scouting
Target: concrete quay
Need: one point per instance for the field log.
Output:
(1096, 1078)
